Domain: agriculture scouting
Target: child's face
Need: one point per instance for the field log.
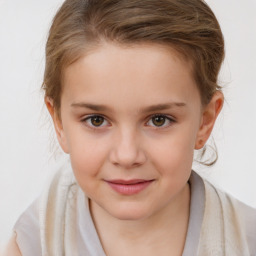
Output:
(131, 119)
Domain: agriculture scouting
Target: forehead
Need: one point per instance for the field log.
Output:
(145, 72)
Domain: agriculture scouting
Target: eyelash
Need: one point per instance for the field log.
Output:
(88, 121)
(167, 118)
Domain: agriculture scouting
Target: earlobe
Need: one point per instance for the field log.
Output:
(57, 124)
(209, 116)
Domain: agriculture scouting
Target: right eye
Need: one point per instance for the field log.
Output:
(160, 121)
(95, 121)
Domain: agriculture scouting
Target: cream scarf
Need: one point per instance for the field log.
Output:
(222, 232)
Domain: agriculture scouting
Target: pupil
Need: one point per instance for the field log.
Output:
(158, 120)
(97, 121)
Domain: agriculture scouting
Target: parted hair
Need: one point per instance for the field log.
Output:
(188, 26)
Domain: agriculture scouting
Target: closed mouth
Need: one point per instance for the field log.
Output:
(128, 182)
(129, 187)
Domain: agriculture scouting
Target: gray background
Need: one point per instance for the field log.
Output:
(27, 148)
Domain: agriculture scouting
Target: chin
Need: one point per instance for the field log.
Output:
(129, 213)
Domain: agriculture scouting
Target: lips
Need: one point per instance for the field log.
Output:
(129, 187)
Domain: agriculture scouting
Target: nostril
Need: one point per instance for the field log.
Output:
(127, 158)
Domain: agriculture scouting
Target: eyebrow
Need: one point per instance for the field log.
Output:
(152, 108)
(91, 106)
(166, 106)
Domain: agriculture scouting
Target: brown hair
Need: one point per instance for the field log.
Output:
(188, 26)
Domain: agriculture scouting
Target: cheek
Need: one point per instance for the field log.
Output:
(175, 146)
(86, 164)
(174, 153)
(87, 155)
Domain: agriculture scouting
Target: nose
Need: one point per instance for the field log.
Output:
(127, 151)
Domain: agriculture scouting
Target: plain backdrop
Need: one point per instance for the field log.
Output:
(27, 155)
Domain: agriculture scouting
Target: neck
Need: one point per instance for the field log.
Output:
(167, 226)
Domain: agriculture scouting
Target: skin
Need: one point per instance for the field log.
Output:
(12, 248)
(126, 87)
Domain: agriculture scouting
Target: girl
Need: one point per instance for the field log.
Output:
(132, 89)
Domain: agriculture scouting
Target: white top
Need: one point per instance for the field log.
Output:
(28, 232)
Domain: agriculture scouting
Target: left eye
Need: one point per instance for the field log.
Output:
(160, 121)
(96, 121)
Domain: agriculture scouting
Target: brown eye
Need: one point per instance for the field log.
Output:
(160, 121)
(97, 120)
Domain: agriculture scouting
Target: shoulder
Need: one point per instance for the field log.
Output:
(40, 219)
(28, 232)
(237, 216)
(12, 249)
(228, 201)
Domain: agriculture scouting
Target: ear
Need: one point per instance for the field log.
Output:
(209, 116)
(57, 124)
